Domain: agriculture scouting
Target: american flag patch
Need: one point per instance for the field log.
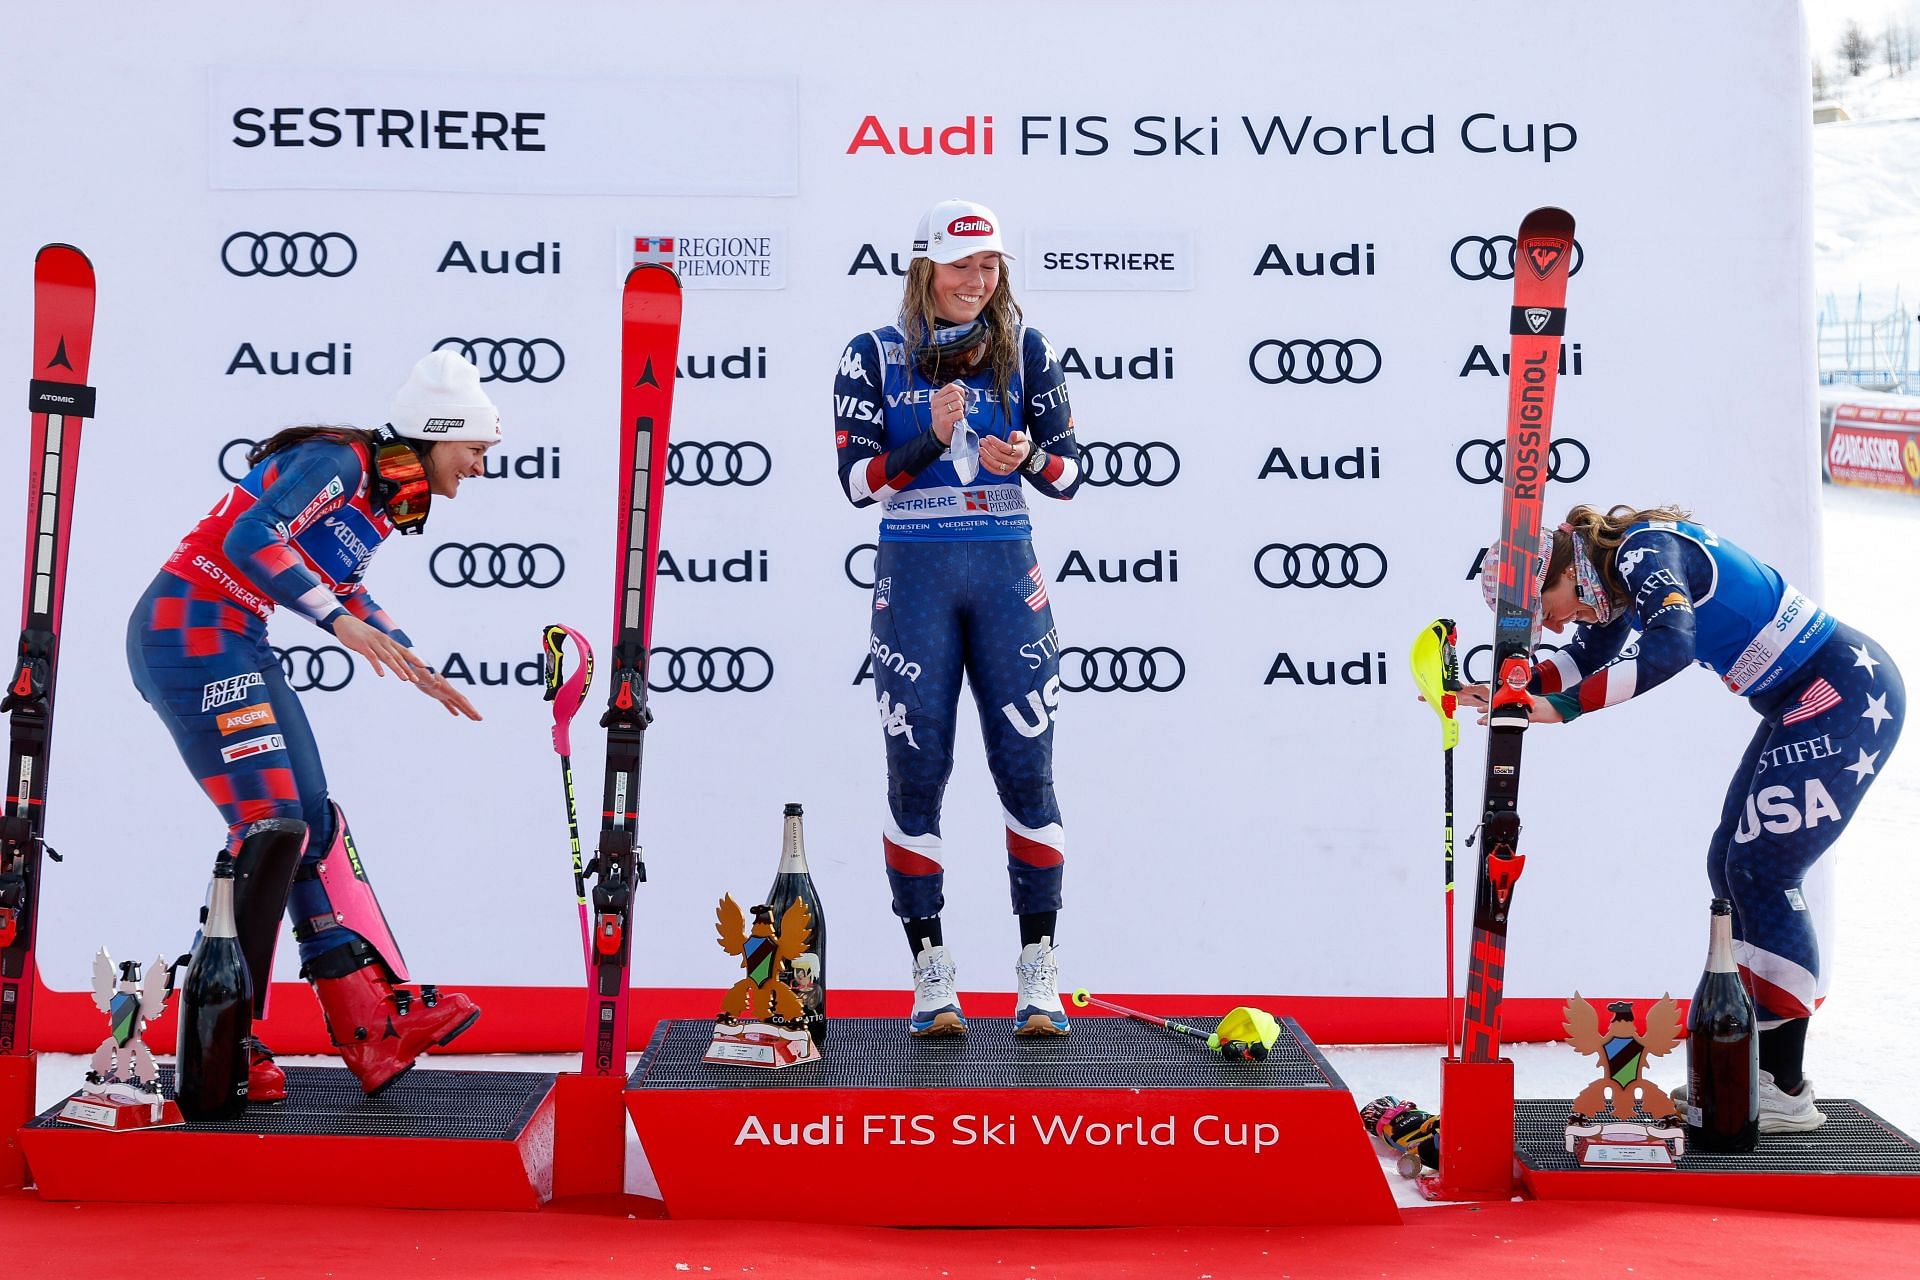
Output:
(1034, 589)
(1819, 696)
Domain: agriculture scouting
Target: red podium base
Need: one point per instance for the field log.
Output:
(434, 1140)
(589, 1136)
(16, 1108)
(1116, 1125)
(1856, 1165)
(1476, 1131)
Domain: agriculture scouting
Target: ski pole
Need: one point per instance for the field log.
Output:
(1436, 672)
(1229, 1048)
(566, 693)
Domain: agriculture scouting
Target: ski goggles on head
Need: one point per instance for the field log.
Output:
(400, 482)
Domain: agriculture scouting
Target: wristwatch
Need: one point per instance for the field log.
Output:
(1035, 462)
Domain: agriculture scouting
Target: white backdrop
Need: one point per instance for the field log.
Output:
(1241, 831)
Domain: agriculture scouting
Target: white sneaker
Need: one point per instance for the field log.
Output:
(1039, 1011)
(1783, 1112)
(936, 1003)
(1780, 1111)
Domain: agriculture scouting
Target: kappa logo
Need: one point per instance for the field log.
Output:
(233, 689)
(253, 746)
(893, 718)
(253, 717)
(853, 365)
(1631, 559)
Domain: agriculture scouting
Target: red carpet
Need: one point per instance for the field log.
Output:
(90, 1241)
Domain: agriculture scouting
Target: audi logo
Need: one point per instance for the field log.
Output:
(747, 670)
(1470, 664)
(1126, 670)
(1305, 360)
(507, 564)
(1333, 564)
(510, 359)
(1484, 461)
(1128, 464)
(718, 462)
(288, 253)
(233, 459)
(866, 553)
(1491, 258)
(328, 668)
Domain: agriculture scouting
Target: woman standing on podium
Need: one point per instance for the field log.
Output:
(944, 419)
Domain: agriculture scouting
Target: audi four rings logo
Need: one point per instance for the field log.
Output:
(506, 564)
(1333, 564)
(747, 670)
(1491, 258)
(1127, 670)
(327, 668)
(1305, 360)
(233, 459)
(1484, 461)
(288, 253)
(1127, 463)
(718, 462)
(510, 359)
(861, 575)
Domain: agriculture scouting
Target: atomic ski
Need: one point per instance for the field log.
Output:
(649, 346)
(60, 401)
(1542, 255)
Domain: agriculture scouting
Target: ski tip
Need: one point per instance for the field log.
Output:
(653, 276)
(61, 260)
(1548, 221)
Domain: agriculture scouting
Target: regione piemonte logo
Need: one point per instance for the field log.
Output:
(1142, 260)
(711, 259)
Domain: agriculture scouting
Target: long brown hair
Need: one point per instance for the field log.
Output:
(1603, 533)
(1001, 313)
(287, 437)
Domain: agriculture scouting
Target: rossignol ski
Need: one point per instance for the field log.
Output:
(1542, 255)
(649, 346)
(60, 401)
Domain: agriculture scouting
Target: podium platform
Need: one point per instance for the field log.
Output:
(1119, 1124)
(434, 1140)
(1855, 1165)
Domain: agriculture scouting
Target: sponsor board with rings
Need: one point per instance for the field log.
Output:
(1484, 461)
(325, 668)
(859, 565)
(717, 670)
(289, 253)
(233, 459)
(1302, 361)
(1491, 258)
(1123, 669)
(497, 564)
(718, 462)
(1128, 463)
(1329, 564)
(510, 359)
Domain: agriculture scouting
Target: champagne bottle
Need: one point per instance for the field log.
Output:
(806, 974)
(216, 1013)
(1723, 1050)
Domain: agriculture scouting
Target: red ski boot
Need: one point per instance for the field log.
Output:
(381, 1029)
(266, 1082)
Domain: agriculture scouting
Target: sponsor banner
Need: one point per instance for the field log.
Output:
(1137, 261)
(352, 128)
(1871, 457)
(709, 259)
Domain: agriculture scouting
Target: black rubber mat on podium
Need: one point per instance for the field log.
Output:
(1102, 1053)
(424, 1103)
(1853, 1140)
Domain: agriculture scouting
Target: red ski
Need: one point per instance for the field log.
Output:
(649, 346)
(60, 401)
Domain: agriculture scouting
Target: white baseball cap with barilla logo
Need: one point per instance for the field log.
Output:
(955, 229)
(443, 400)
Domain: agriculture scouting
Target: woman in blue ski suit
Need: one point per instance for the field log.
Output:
(944, 420)
(1831, 704)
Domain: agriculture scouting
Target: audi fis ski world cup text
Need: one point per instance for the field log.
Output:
(1010, 1130)
(1480, 133)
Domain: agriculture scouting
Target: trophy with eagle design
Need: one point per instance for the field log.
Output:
(1624, 1119)
(123, 1084)
(762, 1023)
